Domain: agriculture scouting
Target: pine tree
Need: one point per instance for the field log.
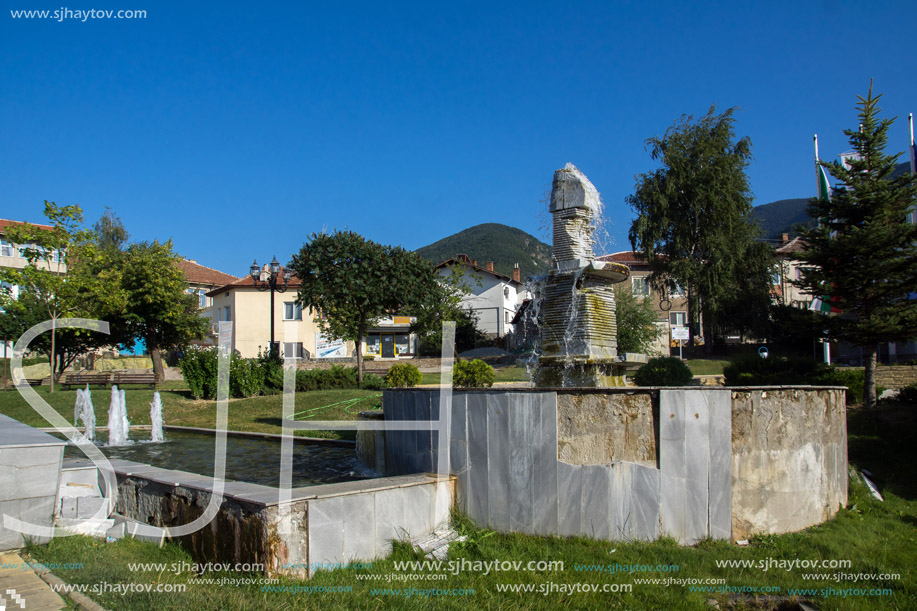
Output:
(863, 253)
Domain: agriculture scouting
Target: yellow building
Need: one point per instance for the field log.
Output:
(249, 309)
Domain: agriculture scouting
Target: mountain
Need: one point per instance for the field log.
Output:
(502, 244)
(783, 215)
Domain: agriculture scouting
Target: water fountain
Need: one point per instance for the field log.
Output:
(156, 418)
(83, 410)
(577, 307)
(118, 425)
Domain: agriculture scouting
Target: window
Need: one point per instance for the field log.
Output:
(641, 286)
(227, 313)
(292, 350)
(373, 343)
(202, 299)
(678, 319)
(675, 290)
(401, 343)
(292, 310)
(6, 249)
(506, 292)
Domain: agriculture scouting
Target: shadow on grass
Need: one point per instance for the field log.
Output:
(277, 422)
(882, 441)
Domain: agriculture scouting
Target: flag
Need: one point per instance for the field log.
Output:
(824, 191)
(823, 305)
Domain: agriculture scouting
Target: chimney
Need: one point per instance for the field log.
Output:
(516, 273)
(474, 262)
(489, 266)
(784, 238)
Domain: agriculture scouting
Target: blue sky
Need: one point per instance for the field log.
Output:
(237, 129)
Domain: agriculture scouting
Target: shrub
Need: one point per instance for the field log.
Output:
(773, 371)
(755, 371)
(337, 377)
(473, 374)
(908, 394)
(403, 375)
(199, 368)
(663, 371)
(372, 381)
(246, 377)
(272, 369)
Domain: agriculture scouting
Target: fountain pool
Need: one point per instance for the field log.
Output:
(193, 452)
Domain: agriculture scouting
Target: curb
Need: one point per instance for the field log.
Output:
(81, 601)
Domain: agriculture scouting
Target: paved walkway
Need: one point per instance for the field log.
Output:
(22, 588)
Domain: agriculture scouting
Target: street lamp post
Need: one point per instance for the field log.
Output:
(268, 279)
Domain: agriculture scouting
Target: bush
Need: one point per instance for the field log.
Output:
(337, 377)
(403, 375)
(246, 377)
(272, 369)
(773, 371)
(473, 374)
(199, 368)
(372, 381)
(793, 371)
(663, 371)
(908, 394)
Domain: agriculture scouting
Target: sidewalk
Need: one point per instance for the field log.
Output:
(22, 588)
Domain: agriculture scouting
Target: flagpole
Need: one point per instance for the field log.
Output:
(913, 151)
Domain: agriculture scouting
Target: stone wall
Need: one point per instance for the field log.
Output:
(789, 459)
(896, 376)
(690, 463)
(598, 428)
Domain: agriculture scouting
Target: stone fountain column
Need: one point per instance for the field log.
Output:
(579, 331)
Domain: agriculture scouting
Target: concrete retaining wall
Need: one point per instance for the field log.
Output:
(651, 461)
(323, 525)
(789, 459)
(30, 464)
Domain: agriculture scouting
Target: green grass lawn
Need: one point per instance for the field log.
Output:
(876, 537)
(258, 414)
(706, 367)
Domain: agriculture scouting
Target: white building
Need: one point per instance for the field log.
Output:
(494, 298)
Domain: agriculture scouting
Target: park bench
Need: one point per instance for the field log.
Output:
(147, 377)
(82, 379)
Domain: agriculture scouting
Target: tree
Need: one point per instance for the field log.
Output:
(694, 224)
(158, 308)
(110, 231)
(863, 252)
(45, 292)
(351, 282)
(636, 321)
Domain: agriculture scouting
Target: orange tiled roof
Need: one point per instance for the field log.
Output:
(4, 223)
(195, 273)
(247, 282)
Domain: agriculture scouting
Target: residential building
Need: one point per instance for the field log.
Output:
(201, 280)
(249, 309)
(12, 255)
(789, 269)
(671, 307)
(295, 328)
(494, 297)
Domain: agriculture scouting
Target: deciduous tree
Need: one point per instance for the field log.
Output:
(693, 220)
(352, 282)
(158, 307)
